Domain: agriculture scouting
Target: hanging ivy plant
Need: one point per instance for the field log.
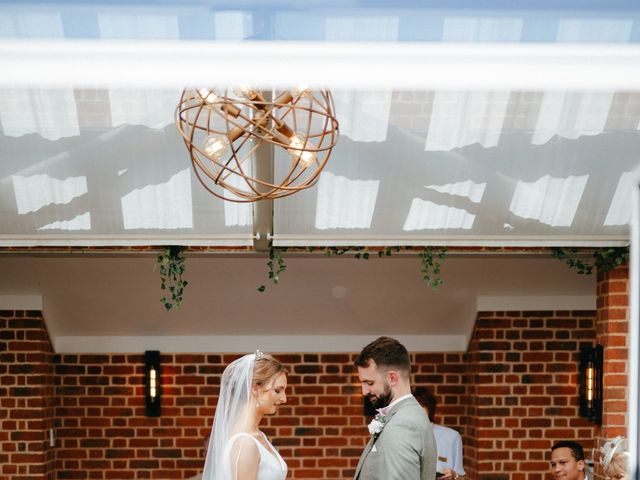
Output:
(276, 265)
(603, 260)
(431, 266)
(430, 260)
(171, 262)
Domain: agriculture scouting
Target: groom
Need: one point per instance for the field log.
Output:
(402, 445)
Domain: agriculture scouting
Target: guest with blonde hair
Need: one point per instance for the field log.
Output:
(614, 458)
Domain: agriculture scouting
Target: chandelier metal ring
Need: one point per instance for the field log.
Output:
(225, 131)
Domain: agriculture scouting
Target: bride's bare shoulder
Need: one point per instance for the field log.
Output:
(245, 457)
(244, 445)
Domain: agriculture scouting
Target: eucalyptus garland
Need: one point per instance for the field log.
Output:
(171, 262)
(603, 260)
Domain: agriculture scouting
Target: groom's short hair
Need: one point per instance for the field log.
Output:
(387, 352)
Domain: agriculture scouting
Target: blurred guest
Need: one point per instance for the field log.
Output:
(448, 440)
(567, 461)
(614, 458)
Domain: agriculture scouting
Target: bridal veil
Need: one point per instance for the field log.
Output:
(235, 397)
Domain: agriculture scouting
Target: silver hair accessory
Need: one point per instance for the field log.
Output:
(258, 354)
(610, 448)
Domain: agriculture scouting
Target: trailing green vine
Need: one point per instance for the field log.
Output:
(430, 260)
(431, 266)
(171, 262)
(358, 252)
(603, 259)
(386, 252)
(276, 265)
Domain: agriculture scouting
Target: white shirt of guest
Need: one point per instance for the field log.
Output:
(449, 446)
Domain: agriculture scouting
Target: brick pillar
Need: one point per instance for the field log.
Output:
(471, 418)
(26, 397)
(612, 328)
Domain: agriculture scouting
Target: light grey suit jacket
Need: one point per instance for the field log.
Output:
(405, 449)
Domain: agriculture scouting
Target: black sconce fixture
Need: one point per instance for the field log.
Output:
(591, 383)
(152, 384)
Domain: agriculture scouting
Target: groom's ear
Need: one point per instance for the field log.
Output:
(393, 377)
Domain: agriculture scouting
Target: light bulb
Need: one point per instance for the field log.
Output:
(246, 91)
(300, 91)
(208, 95)
(297, 144)
(215, 146)
(152, 383)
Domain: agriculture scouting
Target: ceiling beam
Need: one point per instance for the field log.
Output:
(263, 209)
(360, 65)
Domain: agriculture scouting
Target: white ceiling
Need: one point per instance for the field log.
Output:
(87, 166)
(502, 126)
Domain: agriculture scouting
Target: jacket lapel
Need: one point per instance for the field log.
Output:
(373, 439)
(366, 451)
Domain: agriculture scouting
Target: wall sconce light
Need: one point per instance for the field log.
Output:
(152, 383)
(591, 359)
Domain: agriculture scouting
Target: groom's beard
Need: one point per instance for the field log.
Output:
(382, 400)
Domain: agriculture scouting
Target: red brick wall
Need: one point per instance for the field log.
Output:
(320, 432)
(510, 396)
(104, 434)
(523, 393)
(26, 397)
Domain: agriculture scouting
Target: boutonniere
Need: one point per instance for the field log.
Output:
(377, 424)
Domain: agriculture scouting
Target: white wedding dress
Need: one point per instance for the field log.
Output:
(271, 466)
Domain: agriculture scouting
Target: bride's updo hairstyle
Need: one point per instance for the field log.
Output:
(266, 369)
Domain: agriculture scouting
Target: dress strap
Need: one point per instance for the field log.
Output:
(229, 447)
(243, 434)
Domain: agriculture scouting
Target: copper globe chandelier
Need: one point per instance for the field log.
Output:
(228, 132)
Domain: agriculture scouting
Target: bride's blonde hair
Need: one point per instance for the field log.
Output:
(266, 369)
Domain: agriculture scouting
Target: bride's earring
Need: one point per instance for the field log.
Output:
(257, 404)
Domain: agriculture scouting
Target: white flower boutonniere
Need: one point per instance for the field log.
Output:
(377, 424)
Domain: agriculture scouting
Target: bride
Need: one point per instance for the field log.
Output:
(251, 387)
